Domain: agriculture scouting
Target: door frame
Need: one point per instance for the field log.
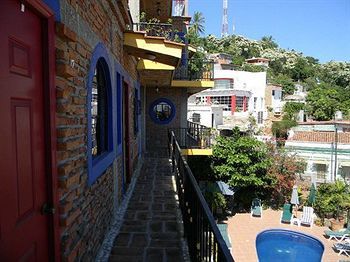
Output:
(126, 134)
(49, 103)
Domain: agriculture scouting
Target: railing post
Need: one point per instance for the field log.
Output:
(203, 236)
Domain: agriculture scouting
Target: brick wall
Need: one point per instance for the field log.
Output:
(156, 134)
(322, 137)
(86, 211)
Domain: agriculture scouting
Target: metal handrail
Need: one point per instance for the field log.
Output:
(195, 69)
(155, 29)
(194, 136)
(204, 239)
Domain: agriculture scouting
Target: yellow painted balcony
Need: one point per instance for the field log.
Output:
(153, 42)
(195, 75)
(195, 139)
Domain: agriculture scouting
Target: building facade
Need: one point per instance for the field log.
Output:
(87, 93)
(325, 147)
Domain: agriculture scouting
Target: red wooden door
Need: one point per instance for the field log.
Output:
(23, 185)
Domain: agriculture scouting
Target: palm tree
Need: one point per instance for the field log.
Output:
(269, 42)
(198, 22)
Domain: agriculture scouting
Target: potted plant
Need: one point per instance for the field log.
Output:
(333, 198)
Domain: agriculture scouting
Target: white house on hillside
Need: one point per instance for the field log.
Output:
(325, 147)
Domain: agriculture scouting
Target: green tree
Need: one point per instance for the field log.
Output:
(197, 24)
(280, 130)
(301, 70)
(268, 42)
(287, 84)
(291, 109)
(284, 171)
(332, 198)
(323, 102)
(241, 162)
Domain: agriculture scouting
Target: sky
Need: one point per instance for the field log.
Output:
(317, 28)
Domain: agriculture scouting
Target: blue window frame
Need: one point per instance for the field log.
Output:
(99, 103)
(119, 114)
(162, 111)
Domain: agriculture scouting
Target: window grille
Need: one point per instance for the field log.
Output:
(222, 100)
(99, 112)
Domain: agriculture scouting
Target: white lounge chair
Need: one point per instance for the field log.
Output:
(307, 217)
(343, 247)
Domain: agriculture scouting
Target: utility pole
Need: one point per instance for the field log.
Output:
(335, 150)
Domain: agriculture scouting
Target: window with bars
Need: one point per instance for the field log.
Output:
(260, 117)
(99, 112)
(255, 101)
(239, 103)
(321, 170)
(222, 100)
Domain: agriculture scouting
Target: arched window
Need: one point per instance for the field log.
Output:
(99, 122)
(99, 111)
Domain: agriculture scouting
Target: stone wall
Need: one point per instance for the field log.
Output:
(86, 211)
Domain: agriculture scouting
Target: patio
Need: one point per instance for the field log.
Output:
(243, 229)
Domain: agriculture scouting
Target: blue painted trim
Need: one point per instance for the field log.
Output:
(55, 7)
(96, 166)
(153, 116)
(119, 112)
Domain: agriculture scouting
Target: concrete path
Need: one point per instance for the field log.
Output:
(151, 230)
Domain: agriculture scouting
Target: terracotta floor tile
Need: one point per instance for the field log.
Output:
(243, 229)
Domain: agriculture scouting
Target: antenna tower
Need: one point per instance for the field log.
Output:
(179, 7)
(224, 31)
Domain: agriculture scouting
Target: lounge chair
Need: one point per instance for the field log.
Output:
(307, 217)
(343, 247)
(339, 235)
(225, 236)
(286, 214)
(256, 209)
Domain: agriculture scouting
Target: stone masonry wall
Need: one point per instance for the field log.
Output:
(85, 211)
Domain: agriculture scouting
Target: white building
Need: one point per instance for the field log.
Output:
(325, 147)
(240, 93)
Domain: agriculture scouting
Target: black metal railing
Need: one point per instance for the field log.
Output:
(204, 239)
(155, 29)
(195, 69)
(194, 136)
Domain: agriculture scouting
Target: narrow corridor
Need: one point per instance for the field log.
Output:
(151, 230)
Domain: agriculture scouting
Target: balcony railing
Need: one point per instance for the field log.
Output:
(204, 240)
(194, 136)
(195, 69)
(156, 29)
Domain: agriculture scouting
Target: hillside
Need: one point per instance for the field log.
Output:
(328, 84)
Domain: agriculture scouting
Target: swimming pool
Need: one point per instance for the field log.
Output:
(287, 246)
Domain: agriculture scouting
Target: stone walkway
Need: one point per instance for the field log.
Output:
(151, 230)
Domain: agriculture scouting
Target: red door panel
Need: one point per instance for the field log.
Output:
(23, 185)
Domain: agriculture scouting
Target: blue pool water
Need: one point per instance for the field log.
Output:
(288, 246)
